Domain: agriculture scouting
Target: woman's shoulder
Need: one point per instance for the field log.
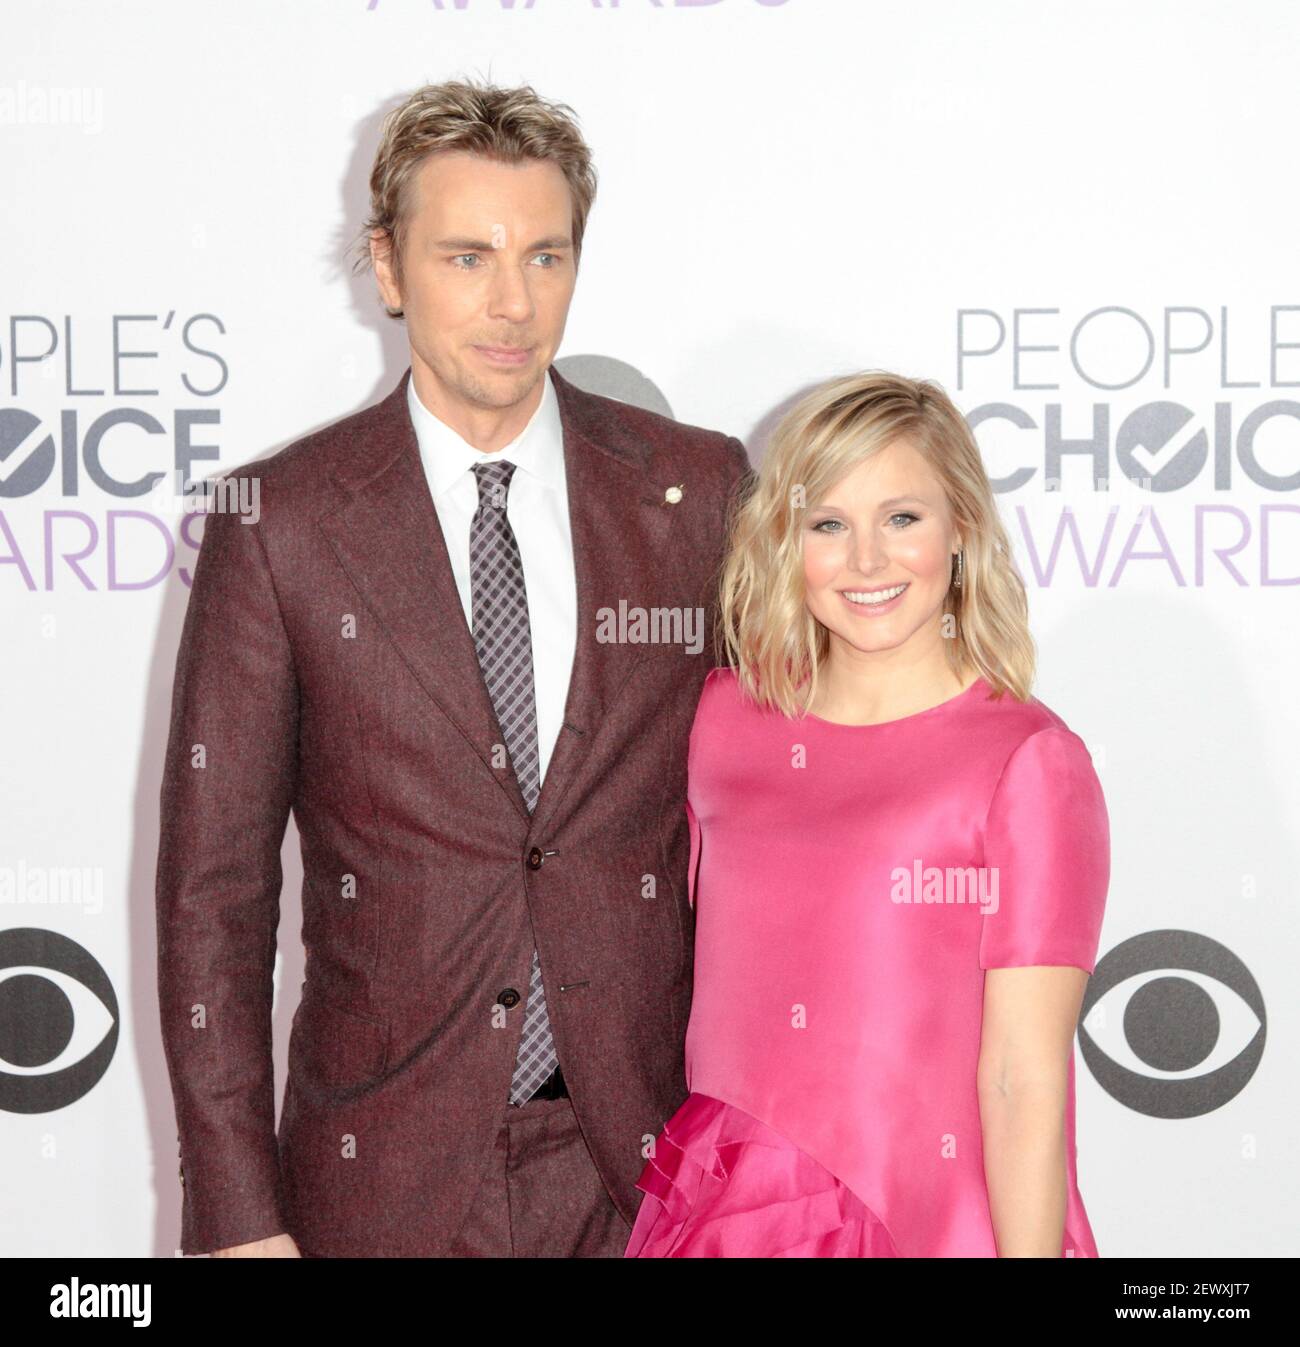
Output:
(720, 682)
(724, 702)
(721, 689)
(1027, 742)
(1013, 721)
(1000, 740)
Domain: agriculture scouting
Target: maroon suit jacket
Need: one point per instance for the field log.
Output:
(325, 666)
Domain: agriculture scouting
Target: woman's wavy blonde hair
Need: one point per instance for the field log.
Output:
(513, 126)
(766, 632)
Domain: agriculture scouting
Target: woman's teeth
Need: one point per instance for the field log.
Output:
(880, 596)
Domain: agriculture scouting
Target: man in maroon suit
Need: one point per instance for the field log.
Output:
(464, 644)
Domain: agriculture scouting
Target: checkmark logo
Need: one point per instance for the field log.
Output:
(1148, 446)
(26, 458)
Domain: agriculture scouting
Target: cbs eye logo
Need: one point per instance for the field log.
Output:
(58, 1021)
(1172, 1024)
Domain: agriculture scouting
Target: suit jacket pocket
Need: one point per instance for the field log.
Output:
(336, 1048)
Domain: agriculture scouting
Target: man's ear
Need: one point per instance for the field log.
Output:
(381, 259)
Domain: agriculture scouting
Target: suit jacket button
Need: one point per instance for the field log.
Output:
(508, 998)
(535, 858)
(180, 1169)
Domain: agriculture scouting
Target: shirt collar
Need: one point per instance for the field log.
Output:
(538, 449)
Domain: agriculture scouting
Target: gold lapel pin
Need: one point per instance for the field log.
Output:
(673, 494)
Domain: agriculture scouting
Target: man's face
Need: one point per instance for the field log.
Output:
(488, 272)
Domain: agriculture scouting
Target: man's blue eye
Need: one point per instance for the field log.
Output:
(550, 258)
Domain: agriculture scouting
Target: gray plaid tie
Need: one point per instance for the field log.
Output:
(503, 640)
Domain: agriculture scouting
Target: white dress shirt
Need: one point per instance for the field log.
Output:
(537, 506)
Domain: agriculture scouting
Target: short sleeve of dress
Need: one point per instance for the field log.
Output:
(1047, 847)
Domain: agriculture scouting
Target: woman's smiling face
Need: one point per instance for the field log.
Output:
(884, 529)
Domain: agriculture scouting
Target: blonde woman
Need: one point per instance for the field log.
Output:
(899, 864)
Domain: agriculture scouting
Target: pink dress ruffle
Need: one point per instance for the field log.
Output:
(721, 1184)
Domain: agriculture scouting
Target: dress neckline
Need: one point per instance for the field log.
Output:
(902, 720)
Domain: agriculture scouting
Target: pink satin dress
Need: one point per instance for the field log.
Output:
(851, 885)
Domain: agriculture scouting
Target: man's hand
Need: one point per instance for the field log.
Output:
(277, 1246)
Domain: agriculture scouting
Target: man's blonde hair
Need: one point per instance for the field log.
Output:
(510, 125)
(766, 632)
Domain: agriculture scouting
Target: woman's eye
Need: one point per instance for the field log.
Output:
(902, 520)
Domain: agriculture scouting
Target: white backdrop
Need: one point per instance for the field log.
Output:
(1079, 218)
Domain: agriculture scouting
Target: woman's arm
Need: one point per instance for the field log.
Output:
(1026, 1041)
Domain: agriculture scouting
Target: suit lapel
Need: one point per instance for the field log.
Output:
(387, 537)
